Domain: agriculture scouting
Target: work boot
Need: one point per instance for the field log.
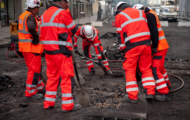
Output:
(163, 97)
(75, 108)
(49, 108)
(149, 97)
(91, 73)
(127, 99)
(107, 73)
(43, 91)
(35, 97)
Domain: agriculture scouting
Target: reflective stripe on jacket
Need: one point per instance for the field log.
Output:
(25, 38)
(162, 43)
(56, 30)
(132, 28)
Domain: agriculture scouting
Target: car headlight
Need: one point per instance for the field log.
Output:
(163, 16)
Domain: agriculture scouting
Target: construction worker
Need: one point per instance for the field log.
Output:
(134, 41)
(56, 30)
(31, 48)
(159, 50)
(90, 36)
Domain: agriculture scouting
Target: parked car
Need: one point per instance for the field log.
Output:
(168, 13)
(156, 9)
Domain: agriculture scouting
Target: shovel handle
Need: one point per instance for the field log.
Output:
(75, 67)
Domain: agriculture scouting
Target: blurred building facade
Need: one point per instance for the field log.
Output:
(183, 8)
(11, 9)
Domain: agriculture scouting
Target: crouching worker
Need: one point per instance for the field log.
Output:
(90, 37)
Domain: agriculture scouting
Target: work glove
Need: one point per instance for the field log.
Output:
(75, 50)
(101, 63)
(35, 41)
(122, 51)
(154, 50)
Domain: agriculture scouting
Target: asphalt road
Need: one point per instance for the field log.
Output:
(106, 92)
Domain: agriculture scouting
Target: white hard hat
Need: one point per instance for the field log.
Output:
(118, 4)
(138, 6)
(33, 3)
(88, 31)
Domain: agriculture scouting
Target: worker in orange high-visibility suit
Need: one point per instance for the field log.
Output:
(90, 37)
(56, 30)
(31, 48)
(159, 50)
(134, 41)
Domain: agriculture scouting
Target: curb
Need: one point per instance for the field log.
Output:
(4, 43)
(106, 19)
(6, 37)
(96, 20)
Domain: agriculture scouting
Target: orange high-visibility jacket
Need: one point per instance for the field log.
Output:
(95, 41)
(162, 43)
(56, 30)
(132, 28)
(25, 38)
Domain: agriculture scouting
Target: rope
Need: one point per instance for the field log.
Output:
(182, 81)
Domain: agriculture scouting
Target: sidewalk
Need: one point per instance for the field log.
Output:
(4, 36)
(85, 20)
(4, 32)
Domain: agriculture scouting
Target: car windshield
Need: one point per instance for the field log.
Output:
(169, 10)
(157, 10)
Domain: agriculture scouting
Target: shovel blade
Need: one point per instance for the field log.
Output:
(83, 97)
(117, 74)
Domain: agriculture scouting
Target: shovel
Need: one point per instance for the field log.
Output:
(114, 74)
(82, 96)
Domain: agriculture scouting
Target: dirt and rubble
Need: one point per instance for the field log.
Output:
(106, 92)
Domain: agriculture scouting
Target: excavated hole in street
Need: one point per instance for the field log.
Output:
(108, 118)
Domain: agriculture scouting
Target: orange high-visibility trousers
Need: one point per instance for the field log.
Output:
(59, 65)
(141, 56)
(34, 81)
(160, 74)
(86, 50)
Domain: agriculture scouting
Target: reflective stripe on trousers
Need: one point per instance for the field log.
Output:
(67, 102)
(148, 81)
(132, 89)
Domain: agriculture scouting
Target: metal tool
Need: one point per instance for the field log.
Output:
(82, 96)
(114, 74)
